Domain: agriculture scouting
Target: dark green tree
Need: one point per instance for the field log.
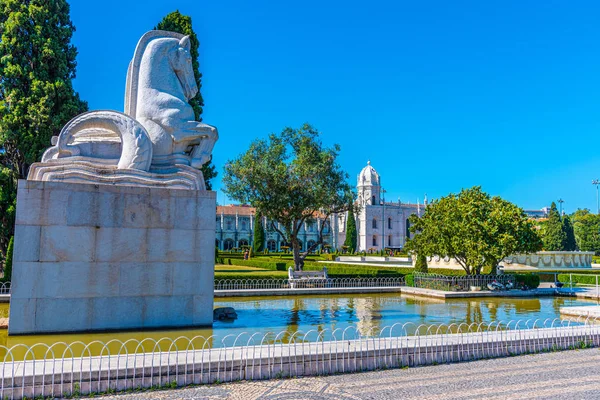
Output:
(9, 260)
(421, 263)
(475, 229)
(37, 64)
(587, 230)
(351, 233)
(258, 240)
(177, 22)
(570, 242)
(291, 178)
(554, 236)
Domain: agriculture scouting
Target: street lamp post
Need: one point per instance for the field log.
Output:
(561, 201)
(596, 182)
(383, 219)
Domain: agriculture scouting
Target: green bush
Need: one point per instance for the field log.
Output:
(8, 261)
(421, 263)
(410, 280)
(530, 280)
(582, 280)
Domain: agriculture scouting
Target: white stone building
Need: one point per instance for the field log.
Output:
(236, 223)
(380, 224)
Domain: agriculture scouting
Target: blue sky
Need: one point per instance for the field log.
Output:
(438, 95)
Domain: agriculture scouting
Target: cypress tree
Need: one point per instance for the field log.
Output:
(554, 235)
(570, 242)
(9, 260)
(259, 235)
(351, 235)
(177, 22)
(37, 65)
(421, 263)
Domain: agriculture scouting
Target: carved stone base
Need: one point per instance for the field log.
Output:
(82, 171)
(98, 257)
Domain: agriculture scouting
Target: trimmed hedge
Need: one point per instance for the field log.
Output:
(410, 280)
(585, 280)
(530, 280)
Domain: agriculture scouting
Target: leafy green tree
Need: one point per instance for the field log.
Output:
(421, 263)
(258, 241)
(37, 64)
(9, 260)
(554, 236)
(291, 178)
(177, 22)
(473, 228)
(570, 242)
(351, 233)
(586, 227)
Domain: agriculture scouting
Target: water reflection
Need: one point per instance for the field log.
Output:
(296, 318)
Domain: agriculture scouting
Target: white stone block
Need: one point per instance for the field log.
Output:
(67, 243)
(146, 279)
(115, 263)
(28, 247)
(121, 245)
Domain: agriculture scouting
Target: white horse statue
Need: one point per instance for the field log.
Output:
(155, 141)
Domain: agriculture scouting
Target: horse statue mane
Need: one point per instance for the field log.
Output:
(156, 142)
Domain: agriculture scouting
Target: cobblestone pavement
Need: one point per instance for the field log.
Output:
(562, 375)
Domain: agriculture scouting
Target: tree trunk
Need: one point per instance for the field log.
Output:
(298, 259)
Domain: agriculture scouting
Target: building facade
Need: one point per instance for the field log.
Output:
(380, 224)
(236, 224)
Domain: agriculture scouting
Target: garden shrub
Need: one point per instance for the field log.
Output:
(530, 280)
(410, 280)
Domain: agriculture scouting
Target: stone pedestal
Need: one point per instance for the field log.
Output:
(99, 257)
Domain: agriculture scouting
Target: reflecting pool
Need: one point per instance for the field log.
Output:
(320, 315)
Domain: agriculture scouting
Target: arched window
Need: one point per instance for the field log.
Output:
(228, 244)
(271, 245)
(244, 225)
(390, 241)
(407, 228)
(325, 227)
(243, 242)
(229, 225)
(311, 226)
(389, 223)
(373, 200)
(374, 240)
(374, 223)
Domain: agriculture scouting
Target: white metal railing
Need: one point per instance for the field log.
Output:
(77, 368)
(5, 288)
(255, 284)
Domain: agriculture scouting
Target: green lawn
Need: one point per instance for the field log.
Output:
(241, 272)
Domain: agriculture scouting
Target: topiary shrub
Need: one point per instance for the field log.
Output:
(421, 263)
(532, 281)
(8, 261)
(410, 280)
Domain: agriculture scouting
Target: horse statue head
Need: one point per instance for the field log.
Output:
(156, 140)
(160, 83)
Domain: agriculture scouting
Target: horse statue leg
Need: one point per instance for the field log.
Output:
(202, 137)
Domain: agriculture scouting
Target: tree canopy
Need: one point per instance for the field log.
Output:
(554, 236)
(570, 243)
(586, 227)
(177, 22)
(475, 229)
(290, 178)
(37, 64)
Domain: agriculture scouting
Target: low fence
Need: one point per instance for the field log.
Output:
(5, 288)
(458, 283)
(78, 369)
(255, 284)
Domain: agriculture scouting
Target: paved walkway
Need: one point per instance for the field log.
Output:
(560, 375)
